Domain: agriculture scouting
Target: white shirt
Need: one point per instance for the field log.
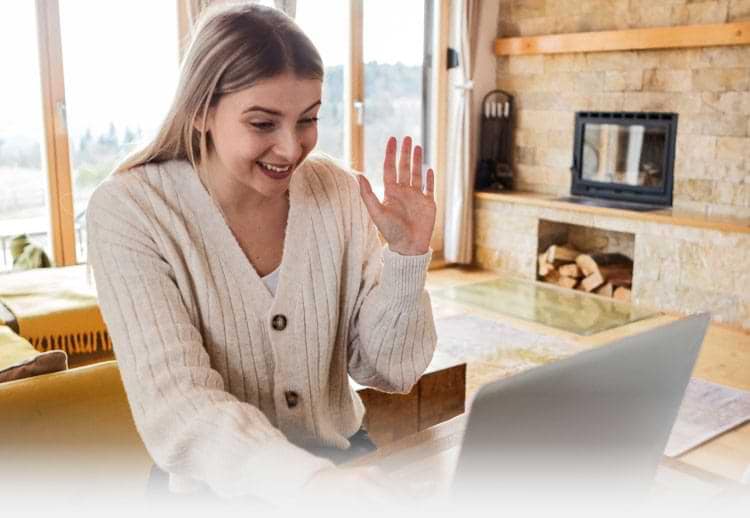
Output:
(272, 280)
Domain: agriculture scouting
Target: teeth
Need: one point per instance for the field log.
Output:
(274, 168)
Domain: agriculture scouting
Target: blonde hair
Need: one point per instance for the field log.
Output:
(233, 47)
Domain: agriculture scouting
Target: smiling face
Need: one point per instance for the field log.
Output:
(261, 134)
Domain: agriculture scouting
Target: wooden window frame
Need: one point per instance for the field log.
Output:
(56, 146)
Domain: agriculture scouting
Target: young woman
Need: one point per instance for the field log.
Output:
(243, 280)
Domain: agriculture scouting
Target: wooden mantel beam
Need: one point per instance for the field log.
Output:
(628, 39)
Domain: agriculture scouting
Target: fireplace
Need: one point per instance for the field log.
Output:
(626, 157)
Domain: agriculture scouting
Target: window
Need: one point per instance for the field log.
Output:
(393, 53)
(117, 91)
(23, 196)
(87, 89)
(383, 43)
(325, 22)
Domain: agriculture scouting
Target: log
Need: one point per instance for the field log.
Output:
(567, 282)
(570, 270)
(590, 263)
(605, 289)
(618, 275)
(622, 294)
(561, 253)
(552, 277)
(544, 267)
(593, 281)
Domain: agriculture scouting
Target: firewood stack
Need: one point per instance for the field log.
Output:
(608, 274)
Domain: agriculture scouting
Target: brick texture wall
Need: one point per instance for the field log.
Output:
(708, 87)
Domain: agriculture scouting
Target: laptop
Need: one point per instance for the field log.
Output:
(593, 426)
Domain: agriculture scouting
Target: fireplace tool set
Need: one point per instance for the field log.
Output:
(494, 166)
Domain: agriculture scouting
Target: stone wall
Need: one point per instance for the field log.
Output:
(708, 87)
(676, 268)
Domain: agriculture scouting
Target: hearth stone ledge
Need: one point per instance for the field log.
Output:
(679, 268)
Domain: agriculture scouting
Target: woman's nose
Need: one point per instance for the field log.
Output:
(288, 144)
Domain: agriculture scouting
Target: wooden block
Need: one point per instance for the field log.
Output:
(618, 275)
(561, 253)
(544, 266)
(388, 417)
(439, 395)
(567, 282)
(593, 281)
(570, 270)
(622, 294)
(552, 277)
(590, 263)
(605, 290)
(442, 395)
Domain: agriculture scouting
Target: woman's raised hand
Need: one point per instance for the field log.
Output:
(406, 217)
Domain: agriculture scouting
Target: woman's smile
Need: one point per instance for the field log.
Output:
(277, 172)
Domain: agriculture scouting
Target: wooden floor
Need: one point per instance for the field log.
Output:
(724, 359)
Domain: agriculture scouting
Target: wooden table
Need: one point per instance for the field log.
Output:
(425, 462)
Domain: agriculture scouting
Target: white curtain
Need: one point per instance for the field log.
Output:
(458, 240)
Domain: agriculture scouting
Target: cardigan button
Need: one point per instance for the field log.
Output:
(292, 398)
(279, 322)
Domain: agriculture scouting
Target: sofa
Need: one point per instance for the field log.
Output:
(70, 434)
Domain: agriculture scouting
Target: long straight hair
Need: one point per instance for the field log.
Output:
(233, 47)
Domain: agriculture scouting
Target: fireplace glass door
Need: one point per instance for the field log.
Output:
(629, 155)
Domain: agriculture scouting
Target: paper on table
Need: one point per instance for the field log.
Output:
(707, 410)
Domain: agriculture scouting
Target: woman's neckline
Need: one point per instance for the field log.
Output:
(242, 266)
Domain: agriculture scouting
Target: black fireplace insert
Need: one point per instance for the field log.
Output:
(624, 156)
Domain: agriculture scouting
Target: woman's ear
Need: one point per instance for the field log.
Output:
(203, 123)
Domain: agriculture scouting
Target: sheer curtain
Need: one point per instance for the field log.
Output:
(459, 184)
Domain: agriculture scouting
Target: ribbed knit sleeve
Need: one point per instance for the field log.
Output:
(190, 424)
(392, 330)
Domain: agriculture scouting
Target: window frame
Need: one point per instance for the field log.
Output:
(56, 149)
(56, 145)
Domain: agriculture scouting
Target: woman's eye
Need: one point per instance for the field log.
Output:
(263, 126)
(309, 120)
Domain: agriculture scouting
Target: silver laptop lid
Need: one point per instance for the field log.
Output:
(596, 423)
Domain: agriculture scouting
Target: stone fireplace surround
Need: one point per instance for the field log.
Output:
(682, 264)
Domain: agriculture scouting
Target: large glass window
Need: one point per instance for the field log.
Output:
(325, 23)
(393, 54)
(120, 75)
(23, 195)
(120, 65)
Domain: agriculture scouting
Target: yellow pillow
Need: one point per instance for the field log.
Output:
(19, 359)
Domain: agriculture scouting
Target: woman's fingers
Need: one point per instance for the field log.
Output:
(404, 161)
(373, 205)
(389, 164)
(430, 182)
(409, 170)
(416, 168)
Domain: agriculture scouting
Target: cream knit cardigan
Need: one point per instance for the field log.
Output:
(205, 370)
